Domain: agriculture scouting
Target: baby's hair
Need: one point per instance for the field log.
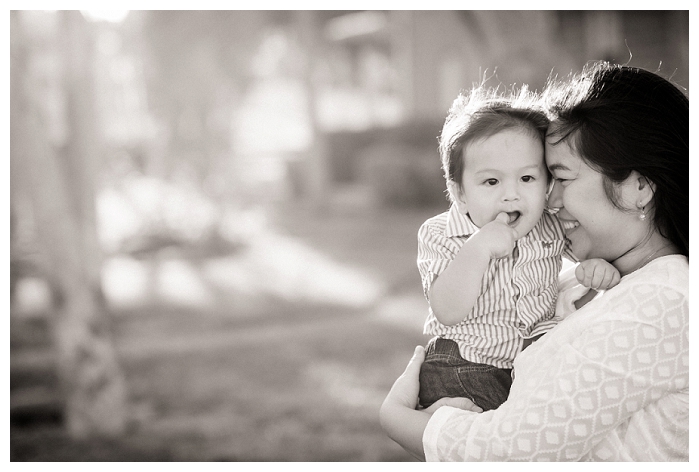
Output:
(481, 113)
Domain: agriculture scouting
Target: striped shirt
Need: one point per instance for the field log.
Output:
(517, 299)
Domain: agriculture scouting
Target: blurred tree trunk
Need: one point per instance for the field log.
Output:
(60, 188)
(316, 171)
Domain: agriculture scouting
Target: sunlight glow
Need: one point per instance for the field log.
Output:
(112, 16)
(281, 266)
(33, 295)
(125, 281)
(179, 282)
(276, 266)
(130, 282)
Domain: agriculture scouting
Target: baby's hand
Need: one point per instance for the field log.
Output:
(597, 274)
(497, 237)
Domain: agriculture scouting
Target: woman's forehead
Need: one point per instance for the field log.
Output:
(561, 156)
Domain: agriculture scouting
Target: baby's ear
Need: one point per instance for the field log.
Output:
(457, 196)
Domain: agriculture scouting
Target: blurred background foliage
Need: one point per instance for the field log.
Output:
(213, 214)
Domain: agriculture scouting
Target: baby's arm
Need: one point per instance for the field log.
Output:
(454, 292)
(597, 274)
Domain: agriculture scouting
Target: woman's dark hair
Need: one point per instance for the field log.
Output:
(620, 119)
(481, 114)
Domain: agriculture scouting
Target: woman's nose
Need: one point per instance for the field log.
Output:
(554, 200)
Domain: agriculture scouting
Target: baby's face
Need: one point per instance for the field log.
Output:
(505, 172)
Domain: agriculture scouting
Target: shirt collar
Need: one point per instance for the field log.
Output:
(458, 224)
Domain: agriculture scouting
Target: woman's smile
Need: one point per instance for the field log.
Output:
(569, 225)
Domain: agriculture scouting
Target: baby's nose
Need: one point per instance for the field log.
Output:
(510, 195)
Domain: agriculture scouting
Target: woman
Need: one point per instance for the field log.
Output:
(610, 382)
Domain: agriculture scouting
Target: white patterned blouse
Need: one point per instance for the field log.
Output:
(609, 383)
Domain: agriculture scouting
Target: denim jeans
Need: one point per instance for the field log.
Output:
(446, 374)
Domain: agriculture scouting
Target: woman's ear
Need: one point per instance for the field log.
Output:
(639, 190)
(457, 196)
(646, 189)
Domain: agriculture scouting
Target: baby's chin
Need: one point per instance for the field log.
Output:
(522, 225)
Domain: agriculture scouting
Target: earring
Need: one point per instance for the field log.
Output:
(642, 216)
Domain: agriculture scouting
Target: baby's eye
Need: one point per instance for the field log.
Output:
(527, 178)
(491, 182)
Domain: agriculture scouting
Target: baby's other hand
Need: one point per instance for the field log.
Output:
(597, 274)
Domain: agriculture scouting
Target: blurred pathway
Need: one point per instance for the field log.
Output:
(403, 312)
(281, 350)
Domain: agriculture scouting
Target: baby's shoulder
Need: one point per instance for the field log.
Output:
(435, 224)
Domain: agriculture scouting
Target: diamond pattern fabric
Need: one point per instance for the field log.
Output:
(609, 383)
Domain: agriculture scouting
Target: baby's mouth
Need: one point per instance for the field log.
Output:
(513, 217)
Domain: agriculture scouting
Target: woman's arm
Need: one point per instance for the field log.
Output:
(563, 404)
(399, 418)
(568, 395)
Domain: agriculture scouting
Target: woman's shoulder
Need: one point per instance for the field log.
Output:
(670, 272)
(656, 294)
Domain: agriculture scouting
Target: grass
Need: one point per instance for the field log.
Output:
(261, 377)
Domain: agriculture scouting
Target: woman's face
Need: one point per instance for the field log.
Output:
(595, 227)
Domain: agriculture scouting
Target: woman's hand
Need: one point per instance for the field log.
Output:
(406, 388)
(399, 417)
(457, 402)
